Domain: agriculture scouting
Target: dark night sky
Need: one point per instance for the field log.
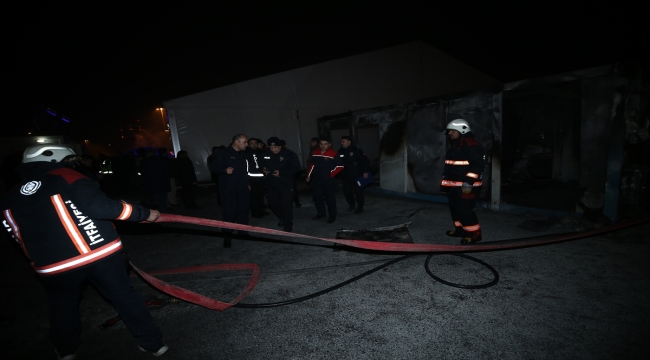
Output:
(103, 66)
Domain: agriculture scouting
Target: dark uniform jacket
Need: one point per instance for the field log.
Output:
(465, 162)
(286, 162)
(184, 171)
(226, 158)
(155, 175)
(324, 166)
(62, 220)
(355, 162)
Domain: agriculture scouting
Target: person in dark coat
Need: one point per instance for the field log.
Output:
(232, 168)
(186, 178)
(280, 165)
(213, 176)
(355, 165)
(155, 179)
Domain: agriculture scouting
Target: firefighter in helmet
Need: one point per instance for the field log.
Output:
(462, 178)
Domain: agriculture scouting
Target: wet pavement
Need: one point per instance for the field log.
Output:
(583, 299)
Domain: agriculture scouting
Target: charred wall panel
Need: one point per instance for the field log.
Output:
(597, 108)
(427, 146)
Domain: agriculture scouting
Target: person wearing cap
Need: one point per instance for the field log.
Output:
(355, 165)
(325, 164)
(62, 222)
(462, 178)
(280, 165)
(296, 195)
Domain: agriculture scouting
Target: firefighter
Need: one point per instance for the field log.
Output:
(462, 178)
(62, 222)
(280, 165)
(325, 164)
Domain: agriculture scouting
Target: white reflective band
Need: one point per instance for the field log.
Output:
(69, 225)
(12, 224)
(472, 175)
(255, 175)
(126, 212)
(83, 259)
(458, 183)
(456, 162)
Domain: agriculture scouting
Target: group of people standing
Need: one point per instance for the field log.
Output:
(245, 174)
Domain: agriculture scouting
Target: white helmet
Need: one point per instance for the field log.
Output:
(459, 125)
(48, 153)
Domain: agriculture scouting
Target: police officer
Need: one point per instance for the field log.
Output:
(462, 177)
(232, 168)
(280, 165)
(61, 220)
(325, 164)
(355, 165)
(255, 179)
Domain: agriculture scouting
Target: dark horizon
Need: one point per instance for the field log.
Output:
(104, 69)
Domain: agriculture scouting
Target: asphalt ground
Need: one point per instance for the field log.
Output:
(583, 299)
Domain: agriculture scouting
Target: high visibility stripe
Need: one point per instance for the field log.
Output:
(322, 155)
(456, 162)
(14, 227)
(69, 225)
(476, 227)
(81, 260)
(333, 170)
(472, 175)
(457, 224)
(126, 211)
(458, 183)
(255, 175)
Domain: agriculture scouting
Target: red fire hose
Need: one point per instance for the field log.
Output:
(213, 304)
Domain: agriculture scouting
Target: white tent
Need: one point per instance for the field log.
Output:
(287, 104)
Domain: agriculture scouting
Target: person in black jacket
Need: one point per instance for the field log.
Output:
(62, 222)
(232, 168)
(280, 165)
(155, 179)
(355, 165)
(255, 179)
(463, 177)
(186, 178)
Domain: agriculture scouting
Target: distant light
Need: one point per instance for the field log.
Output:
(64, 119)
(161, 109)
(29, 133)
(40, 141)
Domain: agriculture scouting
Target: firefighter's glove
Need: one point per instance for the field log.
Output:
(466, 188)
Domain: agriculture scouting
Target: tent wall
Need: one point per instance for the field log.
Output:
(287, 104)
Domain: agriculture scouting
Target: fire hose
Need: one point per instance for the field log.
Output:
(430, 249)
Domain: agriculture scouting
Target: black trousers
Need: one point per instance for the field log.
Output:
(353, 191)
(461, 207)
(188, 194)
(256, 195)
(110, 278)
(324, 192)
(234, 206)
(280, 202)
